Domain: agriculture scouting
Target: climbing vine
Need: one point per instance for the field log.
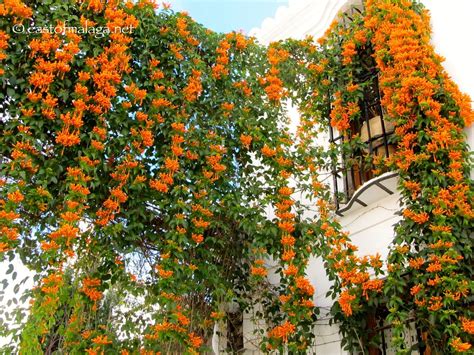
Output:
(150, 179)
(427, 279)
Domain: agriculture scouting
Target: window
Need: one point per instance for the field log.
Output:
(353, 169)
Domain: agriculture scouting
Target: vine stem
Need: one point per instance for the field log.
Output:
(360, 343)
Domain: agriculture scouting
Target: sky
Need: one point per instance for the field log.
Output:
(229, 15)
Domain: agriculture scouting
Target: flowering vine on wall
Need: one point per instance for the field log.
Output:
(138, 168)
(427, 280)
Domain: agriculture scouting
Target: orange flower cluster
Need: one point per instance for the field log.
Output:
(286, 225)
(200, 218)
(9, 233)
(22, 156)
(164, 273)
(171, 163)
(194, 88)
(450, 200)
(348, 52)
(69, 135)
(342, 113)
(227, 106)
(420, 218)
(277, 55)
(467, 325)
(111, 206)
(345, 301)
(241, 42)
(258, 270)
(242, 85)
(435, 303)
(16, 196)
(413, 187)
(198, 238)
(304, 286)
(371, 285)
(404, 48)
(156, 74)
(440, 244)
(68, 232)
(349, 267)
(459, 346)
(144, 136)
(246, 140)
(214, 161)
(101, 340)
(160, 185)
(200, 223)
(176, 50)
(268, 152)
(50, 286)
(3, 45)
(15, 8)
(220, 70)
(164, 327)
(195, 341)
(137, 95)
(44, 75)
(416, 289)
(272, 83)
(291, 270)
(282, 331)
(434, 267)
(416, 263)
(288, 239)
(89, 288)
(361, 37)
(52, 283)
(82, 190)
(181, 26)
(94, 5)
(107, 68)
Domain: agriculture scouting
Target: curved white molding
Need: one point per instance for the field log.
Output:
(371, 191)
(299, 19)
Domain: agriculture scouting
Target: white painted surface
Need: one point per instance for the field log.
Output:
(23, 277)
(299, 19)
(371, 227)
